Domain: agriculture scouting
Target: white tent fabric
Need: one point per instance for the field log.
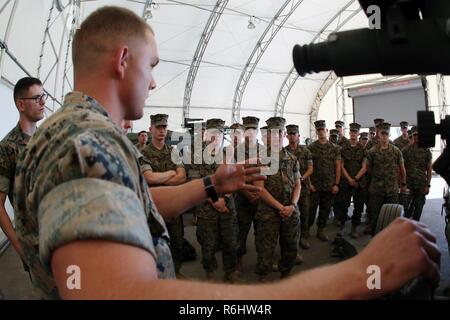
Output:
(37, 34)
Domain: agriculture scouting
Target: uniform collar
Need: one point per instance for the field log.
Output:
(76, 97)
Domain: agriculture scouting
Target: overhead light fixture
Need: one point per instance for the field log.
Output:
(148, 14)
(252, 21)
(149, 6)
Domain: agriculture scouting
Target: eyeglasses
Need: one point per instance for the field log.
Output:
(38, 99)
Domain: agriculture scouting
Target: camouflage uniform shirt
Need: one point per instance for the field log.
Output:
(161, 160)
(206, 168)
(353, 158)
(305, 160)
(401, 143)
(10, 148)
(79, 178)
(324, 159)
(383, 168)
(416, 163)
(280, 185)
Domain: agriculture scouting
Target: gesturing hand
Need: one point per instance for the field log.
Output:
(229, 178)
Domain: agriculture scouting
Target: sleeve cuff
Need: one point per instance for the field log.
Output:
(91, 209)
(5, 185)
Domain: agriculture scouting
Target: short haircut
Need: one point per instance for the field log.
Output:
(22, 86)
(102, 30)
(143, 131)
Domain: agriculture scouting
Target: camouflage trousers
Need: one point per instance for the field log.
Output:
(245, 217)
(212, 232)
(376, 201)
(343, 201)
(304, 204)
(414, 203)
(324, 201)
(270, 231)
(176, 232)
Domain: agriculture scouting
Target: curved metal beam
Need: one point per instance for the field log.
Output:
(198, 56)
(263, 43)
(326, 85)
(293, 76)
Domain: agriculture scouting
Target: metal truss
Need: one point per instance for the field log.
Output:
(442, 96)
(340, 99)
(69, 12)
(326, 85)
(342, 17)
(280, 18)
(198, 56)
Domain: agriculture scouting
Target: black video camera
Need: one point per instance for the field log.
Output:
(413, 36)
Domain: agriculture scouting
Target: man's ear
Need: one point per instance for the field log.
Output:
(20, 105)
(122, 60)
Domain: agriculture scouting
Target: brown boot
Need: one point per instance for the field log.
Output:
(263, 278)
(304, 243)
(299, 259)
(210, 276)
(354, 234)
(274, 267)
(321, 235)
(368, 229)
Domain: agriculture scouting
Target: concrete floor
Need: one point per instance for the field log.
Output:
(15, 284)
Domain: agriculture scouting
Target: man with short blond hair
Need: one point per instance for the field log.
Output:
(85, 197)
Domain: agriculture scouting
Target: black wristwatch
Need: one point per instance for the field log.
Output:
(403, 184)
(294, 205)
(210, 190)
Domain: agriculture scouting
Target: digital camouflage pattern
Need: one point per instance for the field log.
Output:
(140, 147)
(270, 225)
(400, 142)
(213, 227)
(353, 158)
(323, 179)
(305, 160)
(417, 160)
(383, 167)
(10, 148)
(324, 159)
(343, 141)
(245, 209)
(79, 178)
(161, 161)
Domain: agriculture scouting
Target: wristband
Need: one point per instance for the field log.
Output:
(210, 190)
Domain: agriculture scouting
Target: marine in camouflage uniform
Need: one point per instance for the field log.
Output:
(384, 165)
(216, 227)
(29, 99)
(418, 176)
(163, 160)
(304, 158)
(403, 140)
(246, 203)
(82, 182)
(353, 182)
(342, 140)
(325, 178)
(374, 141)
(334, 137)
(142, 141)
(283, 188)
